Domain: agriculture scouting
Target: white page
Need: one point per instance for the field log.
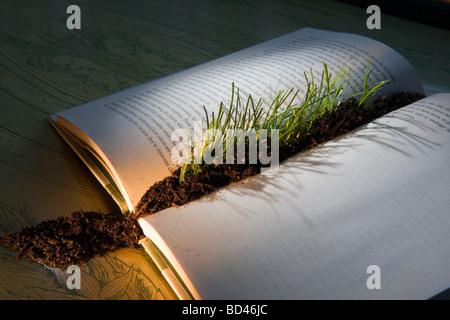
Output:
(133, 127)
(377, 196)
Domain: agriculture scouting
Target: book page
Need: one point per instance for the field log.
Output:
(376, 198)
(133, 128)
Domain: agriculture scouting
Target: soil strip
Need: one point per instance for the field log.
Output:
(78, 238)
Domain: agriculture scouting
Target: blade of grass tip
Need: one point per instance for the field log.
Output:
(316, 93)
(268, 114)
(207, 116)
(276, 118)
(226, 123)
(345, 75)
(294, 122)
(232, 94)
(340, 75)
(260, 111)
(323, 91)
(228, 114)
(371, 92)
(242, 116)
(312, 77)
(315, 104)
(255, 113)
(285, 96)
(339, 88)
(301, 110)
(214, 118)
(327, 77)
(236, 108)
(291, 107)
(366, 76)
(328, 91)
(245, 118)
(291, 102)
(274, 104)
(252, 121)
(219, 118)
(365, 82)
(366, 93)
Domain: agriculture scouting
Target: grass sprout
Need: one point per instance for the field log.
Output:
(288, 113)
(368, 91)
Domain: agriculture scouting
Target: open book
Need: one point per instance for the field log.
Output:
(378, 196)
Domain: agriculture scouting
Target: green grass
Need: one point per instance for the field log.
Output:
(285, 112)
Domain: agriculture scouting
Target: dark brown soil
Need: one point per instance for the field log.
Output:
(73, 240)
(78, 238)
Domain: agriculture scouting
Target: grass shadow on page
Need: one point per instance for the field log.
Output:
(323, 159)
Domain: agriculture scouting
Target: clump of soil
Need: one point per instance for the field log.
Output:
(78, 238)
(73, 240)
(169, 192)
